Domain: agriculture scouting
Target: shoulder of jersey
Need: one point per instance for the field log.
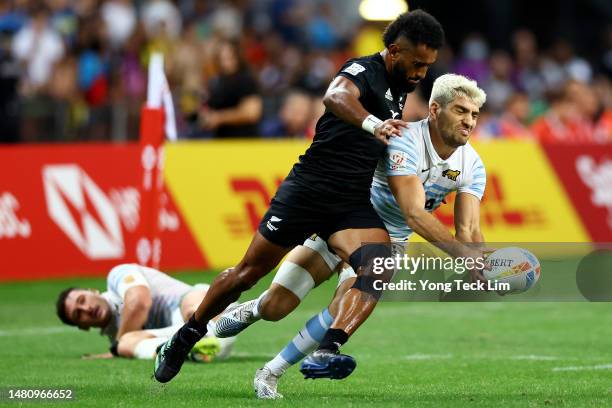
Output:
(471, 152)
(356, 66)
(413, 130)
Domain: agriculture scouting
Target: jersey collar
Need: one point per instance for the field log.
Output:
(434, 158)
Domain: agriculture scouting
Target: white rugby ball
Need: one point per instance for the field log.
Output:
(516, 266)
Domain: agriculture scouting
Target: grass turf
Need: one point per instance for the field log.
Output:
(409, 354)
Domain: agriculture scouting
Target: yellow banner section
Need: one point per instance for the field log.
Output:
(223, 188)
(524, 199)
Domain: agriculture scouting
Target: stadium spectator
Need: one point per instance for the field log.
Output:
(161, 17)
(294, 118)
(120, 19)
(527, 75)
(563, 123)
(596, 117)
(233, 107)
(38, 47)
(287, 45)
(64, 19)
(11, 19)
(473, 60)
(498, 85)
(513, 123)
(564, 65)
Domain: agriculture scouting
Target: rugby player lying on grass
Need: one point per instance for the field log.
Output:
(141, 308)
(431, 159)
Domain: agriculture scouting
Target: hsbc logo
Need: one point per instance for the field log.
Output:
(598, 177)
(11, 224)
(83, 212)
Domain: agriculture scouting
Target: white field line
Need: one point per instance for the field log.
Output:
(36, 331)
(530, 357)
(420, 356)
(584, 368)
(536, 358)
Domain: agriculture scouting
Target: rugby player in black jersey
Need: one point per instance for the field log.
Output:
(328, 192)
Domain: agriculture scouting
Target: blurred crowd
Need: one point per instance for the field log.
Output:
(76, 70)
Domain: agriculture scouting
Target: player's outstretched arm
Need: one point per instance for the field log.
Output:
(137, 304)
(342, 99)
(467, 218)
(410, 195)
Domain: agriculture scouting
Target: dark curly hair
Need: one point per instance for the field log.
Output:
(60, 306)
(418, 26)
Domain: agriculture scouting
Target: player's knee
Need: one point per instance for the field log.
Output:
(369, 259)
(345, 282)
(277, 303)
(296, 279)
(240, 277)
(247, 276)
(370, 285)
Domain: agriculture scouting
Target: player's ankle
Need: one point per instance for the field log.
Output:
(334, 338)
(192, 331)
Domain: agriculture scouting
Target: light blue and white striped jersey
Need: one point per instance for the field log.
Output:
(166, 293)
(413, 154)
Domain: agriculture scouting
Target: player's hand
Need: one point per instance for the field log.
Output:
(388, 129)
(477, 273)
(102, 356)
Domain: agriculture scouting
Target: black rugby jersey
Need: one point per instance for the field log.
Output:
(339, 165)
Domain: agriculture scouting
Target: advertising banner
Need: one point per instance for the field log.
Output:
(586, 172)
(74, 210)
(224, 188)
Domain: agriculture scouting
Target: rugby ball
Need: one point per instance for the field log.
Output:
(517, 267)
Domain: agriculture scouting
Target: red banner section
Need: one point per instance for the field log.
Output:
(586, 174)
(74, 210)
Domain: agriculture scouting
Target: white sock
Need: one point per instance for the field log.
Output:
(256, 308)
(278, 365)
(145, 350)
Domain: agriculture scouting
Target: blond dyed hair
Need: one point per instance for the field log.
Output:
(450, 86)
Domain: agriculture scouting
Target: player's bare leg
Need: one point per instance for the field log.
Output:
(260, 258)
(303, 269)
(356, 304)
(359, 247)
(281, 298)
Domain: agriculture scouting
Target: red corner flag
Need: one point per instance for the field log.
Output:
(156, 123)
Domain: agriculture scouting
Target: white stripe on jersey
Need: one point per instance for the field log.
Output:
(413, 154)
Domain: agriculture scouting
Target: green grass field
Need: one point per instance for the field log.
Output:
(409, 354)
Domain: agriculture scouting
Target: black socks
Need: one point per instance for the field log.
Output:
(192, 331)
(333, 339)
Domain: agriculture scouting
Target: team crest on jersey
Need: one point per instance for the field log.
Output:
(451, 174)
(128, 279)
(398, 159)
(354, 69)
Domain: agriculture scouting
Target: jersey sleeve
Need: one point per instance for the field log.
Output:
(475, 184)
(358, 72)
(123, 277)
(402, 156)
